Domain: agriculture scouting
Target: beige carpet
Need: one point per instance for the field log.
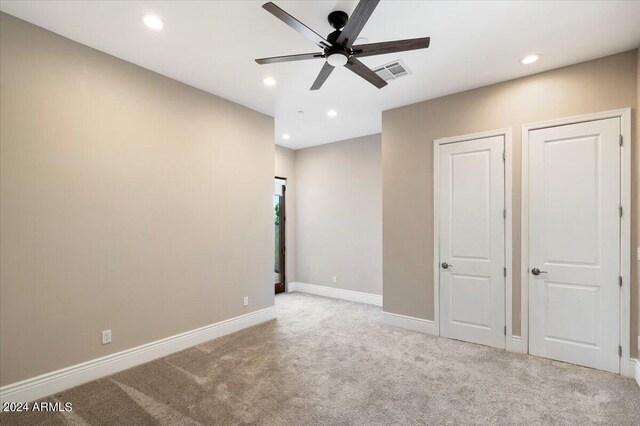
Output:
(330, 362)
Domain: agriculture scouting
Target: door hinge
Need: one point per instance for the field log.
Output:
(504, 156)
(619, 350)
(505, 330)
(504, 271)
(620, 140)
(504, 213)
(620, 211)
(620, 280)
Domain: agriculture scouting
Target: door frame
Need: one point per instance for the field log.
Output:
(626, 366)
(508, 247)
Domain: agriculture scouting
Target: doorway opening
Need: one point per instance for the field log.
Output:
(279, 219)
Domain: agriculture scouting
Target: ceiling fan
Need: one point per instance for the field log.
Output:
(337, 48)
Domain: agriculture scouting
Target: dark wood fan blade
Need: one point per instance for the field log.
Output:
(390, 47)
(322, 76)
(296, 25)
(363, 71)
(289, 58)
(356, 22)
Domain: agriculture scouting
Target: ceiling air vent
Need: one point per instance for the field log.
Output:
(392, 70)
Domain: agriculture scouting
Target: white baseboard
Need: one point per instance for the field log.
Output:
(337, 293)
(410, 323)
(637, 370)
(56, 381)
(516, 345)
(427, 326)
(630, 368)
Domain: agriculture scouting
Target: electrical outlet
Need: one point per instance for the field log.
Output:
(335, 279)
(106, 337)
(246, 301)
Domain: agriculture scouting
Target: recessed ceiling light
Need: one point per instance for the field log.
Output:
(332, 113)
(362, 40)
(153, 22)
(301, 112)
(286, 136)
(268, 81)
(529, 59)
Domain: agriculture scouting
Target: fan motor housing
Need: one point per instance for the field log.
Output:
(333, 37)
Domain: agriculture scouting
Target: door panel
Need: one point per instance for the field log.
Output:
(470, 204)
(470, 300)
(574, 238)
(471, 191)
(572, 322)
(571, 196)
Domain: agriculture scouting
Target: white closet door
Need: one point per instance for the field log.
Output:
(472, 282)
(574, 243)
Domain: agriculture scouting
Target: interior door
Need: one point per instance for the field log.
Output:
(471, 221)
(574, 243)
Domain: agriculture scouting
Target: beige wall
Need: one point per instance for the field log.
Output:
(129, 202)
(339, 214)
(286, 168)
(407, 140)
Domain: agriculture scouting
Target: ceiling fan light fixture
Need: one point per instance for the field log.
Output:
(529, 59)
(337, 59)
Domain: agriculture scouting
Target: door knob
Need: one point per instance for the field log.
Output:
(445, 265)
(536, 271)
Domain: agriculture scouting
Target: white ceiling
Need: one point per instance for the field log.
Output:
(212, 46)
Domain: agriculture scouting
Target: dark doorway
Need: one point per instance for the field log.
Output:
(279, 202)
